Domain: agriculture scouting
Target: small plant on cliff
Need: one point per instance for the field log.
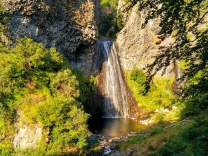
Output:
(4, 26)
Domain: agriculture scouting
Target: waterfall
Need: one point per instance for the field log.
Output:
(117, 97)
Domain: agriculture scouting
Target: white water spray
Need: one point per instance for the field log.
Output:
(114, 87)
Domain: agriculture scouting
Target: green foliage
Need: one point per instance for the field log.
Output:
(84, 90)
(159, 95)
(111, 22)
(156, 131)
(111, 25)
(152, 148)
(137, 79)
(4, 28)
(113, 4)
(86, 87)
(107, 23)
(119, 22)
(138, 139)
(186, 21)
(191, 141)
(39, 82)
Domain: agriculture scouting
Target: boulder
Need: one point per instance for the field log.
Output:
(129, 151)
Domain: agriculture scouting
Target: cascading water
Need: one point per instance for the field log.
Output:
(117, 97)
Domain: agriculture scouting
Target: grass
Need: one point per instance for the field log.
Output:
(152, 139)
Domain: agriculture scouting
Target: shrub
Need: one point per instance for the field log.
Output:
(159, 95)
(156, 131)
(191, 141)
(39, 82)
(152, 148)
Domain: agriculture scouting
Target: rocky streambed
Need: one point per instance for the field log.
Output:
(109, 145)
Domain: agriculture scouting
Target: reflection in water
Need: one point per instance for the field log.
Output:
(114, 126)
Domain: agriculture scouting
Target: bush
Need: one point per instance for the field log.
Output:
(111, 22)
(191, 141)
(39, 82)
(86, 87)
(113, 4)
(159, 95)
(156, 131)
(152, 148)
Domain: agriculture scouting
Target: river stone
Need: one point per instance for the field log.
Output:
(111, 140)
(107, 150)
(129, 151)
(115, 153)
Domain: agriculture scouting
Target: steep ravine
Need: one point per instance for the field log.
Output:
(72, 27)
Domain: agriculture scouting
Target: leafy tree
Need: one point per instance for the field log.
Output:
(4, 28)
(159, 95)
(110, 3)
(40, 84)
(111, 22)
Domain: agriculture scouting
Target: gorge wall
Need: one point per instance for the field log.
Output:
(137, 45)
(70, 26)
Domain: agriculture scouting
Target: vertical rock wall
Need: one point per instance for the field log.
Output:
(137, 45)
(26, 135)
(68, 25)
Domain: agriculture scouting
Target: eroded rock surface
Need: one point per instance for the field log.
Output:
(137, 45)
(68, 25)
(26, 135)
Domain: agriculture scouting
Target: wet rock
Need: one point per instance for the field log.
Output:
(123, 154)
(107, 150)
(126, 139)
(115, 153)
(129, 151)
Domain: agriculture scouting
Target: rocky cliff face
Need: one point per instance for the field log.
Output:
(68, 25)
(122, 5)
(137, 45)
(26, 135)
